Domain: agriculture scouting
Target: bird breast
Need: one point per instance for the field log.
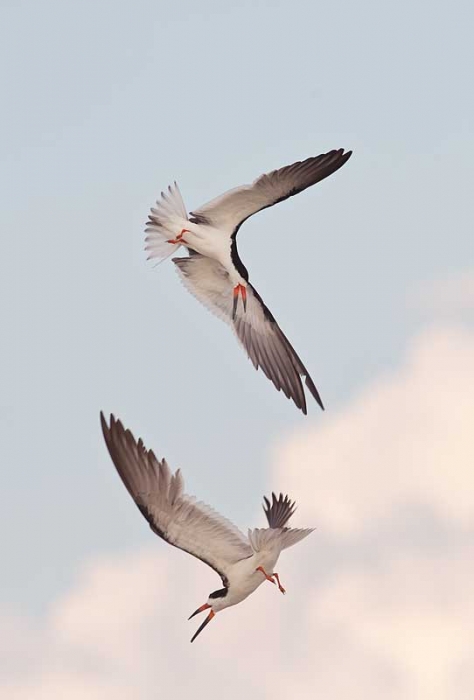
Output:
(244, 578)
(212, 243)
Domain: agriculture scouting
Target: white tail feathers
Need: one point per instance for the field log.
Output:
(165, 222)
(262, 539)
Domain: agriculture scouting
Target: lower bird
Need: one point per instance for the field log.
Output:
(243, 563)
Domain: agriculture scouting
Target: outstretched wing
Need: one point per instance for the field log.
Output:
(256, 328)
(229, 211)
(279, 511)
(175, 517)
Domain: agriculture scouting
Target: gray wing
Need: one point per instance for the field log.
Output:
(279, 511)
(256, 328)
(228, 211)
(175, 517)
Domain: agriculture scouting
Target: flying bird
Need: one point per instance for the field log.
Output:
(243, 563)
(214, 273)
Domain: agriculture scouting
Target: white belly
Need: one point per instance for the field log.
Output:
(214, 244)
(245, 579)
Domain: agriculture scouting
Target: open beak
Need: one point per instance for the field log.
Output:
(201, 609)
(206, 622)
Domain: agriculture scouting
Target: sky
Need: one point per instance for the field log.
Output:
(371, 276)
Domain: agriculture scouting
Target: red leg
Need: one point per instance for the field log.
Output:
(179, 237)
(282, 590)
(241, 290)
(269, 578)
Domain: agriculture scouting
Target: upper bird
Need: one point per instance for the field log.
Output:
(242, 563)
(214, 273)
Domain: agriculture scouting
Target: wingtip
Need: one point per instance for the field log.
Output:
(108, 427)
(304, 409)
(342, 154)
(103, 422)
(314, 393)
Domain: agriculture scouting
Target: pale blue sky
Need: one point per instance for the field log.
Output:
(103, 105)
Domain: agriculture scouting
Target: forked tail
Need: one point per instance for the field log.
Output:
(165, 222)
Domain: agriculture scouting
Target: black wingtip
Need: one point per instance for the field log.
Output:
(106, 431)
(345, 154)
(314, 392)
(103, 423)
(341, 158)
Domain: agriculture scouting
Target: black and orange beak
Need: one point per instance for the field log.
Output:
(206, 621)
(201, 609)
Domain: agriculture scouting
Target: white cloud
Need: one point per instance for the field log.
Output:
(123, 629)
(416, 613)
(125, 599)
(402, 627)
(407, 439)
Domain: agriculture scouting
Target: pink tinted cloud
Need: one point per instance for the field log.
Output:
(408, 438)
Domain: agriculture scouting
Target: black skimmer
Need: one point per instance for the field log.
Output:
(243, 563)
(214, 273)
